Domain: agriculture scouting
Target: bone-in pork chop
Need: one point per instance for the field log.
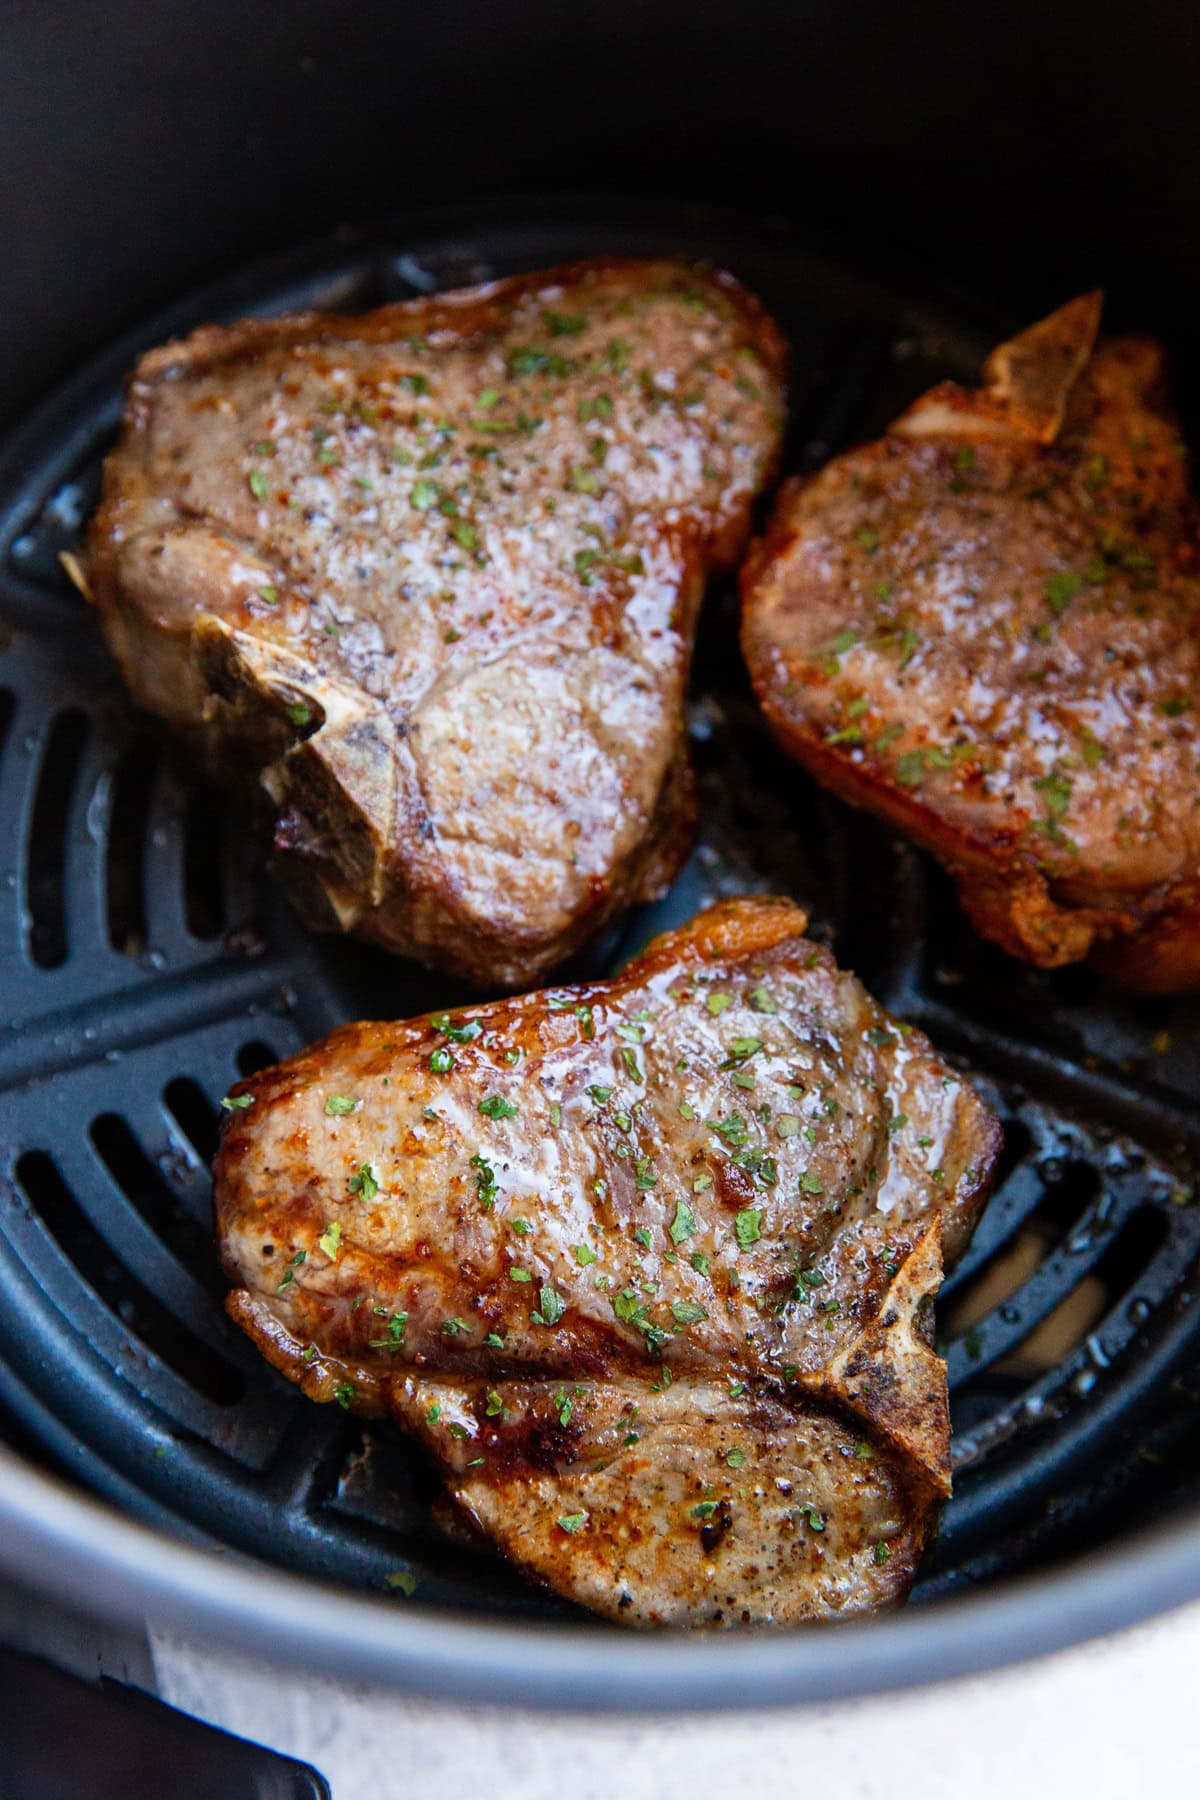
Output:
(986, 628)
(428, 580)
(647, 1265)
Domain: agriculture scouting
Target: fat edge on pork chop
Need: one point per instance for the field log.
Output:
(985, 627)
(426, 582)
(646, 1265)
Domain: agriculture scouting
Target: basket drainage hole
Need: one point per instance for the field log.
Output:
(6, 713)
(1016, 1148)
(1110, 1283)
(1022, 1254)
(144, 1186)
(189, 1106)
(255, 1056)
(204, 863)
(48, 839)
(133, 786)
(120, 1290)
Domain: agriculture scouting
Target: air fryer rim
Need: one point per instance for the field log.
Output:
(61, 1541)
(93, 1558)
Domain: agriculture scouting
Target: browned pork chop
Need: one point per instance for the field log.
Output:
(647, 1265)
(986, 627)
(429, 579)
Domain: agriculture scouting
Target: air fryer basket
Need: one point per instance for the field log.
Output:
(148, 960)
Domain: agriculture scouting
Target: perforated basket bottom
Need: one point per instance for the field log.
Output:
(147, 959)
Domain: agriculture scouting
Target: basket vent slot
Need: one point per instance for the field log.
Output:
(204, 862)
(189, 1106)
(120, 1290)
(148, 1191)
(255, 1056)
(48, 839)
(1017, 1260)
(125, 872)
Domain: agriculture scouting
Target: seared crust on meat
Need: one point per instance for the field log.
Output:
(646, 1264)
(426, 582)
(984, 627)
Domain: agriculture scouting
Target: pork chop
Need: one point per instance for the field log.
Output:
(984, 627)
(647, 1265)
(427, 579)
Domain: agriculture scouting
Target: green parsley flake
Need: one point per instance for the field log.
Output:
(552, 1307)
(688, 1312)
(364, 1184)
(494, 1107)
(395, 1328)
(809, 1184)
(909, 768)
(683, 1225)
(441, 1061)
(330, 1240)
(572, 1522)
(290, 1272)
(584, 1255)
(748, 1226)
(1056, 793)
(458, 1034)
(237, 1102)
(257, 483)
(565, 324)
(344, 1393)
(402, 1581)
(338, 1105)
(787, 1125)
(700, 1262)
(717, 1003)
(1060, 589)
(736, 1458)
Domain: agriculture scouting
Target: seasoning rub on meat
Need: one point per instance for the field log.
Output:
(647, 1266)
(425, 581)
(984, 627)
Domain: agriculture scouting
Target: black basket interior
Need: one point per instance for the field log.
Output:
(146, 960)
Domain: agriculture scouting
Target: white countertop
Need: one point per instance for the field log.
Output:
(1101, 1721)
